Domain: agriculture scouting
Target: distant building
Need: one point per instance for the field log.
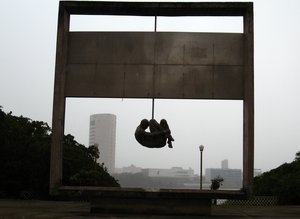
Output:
(103, 134)
(232, 177)
(157, 178)
(224, 164)
(175, 172)
(130, 169)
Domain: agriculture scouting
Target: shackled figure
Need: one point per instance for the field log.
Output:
(158, 136)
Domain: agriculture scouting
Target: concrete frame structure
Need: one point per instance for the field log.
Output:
(244, 84)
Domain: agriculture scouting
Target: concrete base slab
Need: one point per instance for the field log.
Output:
(34, 209)
(153, 206)
(142, 201)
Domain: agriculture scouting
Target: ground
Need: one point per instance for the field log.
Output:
(21, 209)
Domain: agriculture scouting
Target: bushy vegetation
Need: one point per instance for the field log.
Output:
(216, 183)
(25, 159)
(283, 182)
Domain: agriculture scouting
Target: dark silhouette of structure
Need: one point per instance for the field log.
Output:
(159, 134)
(156, 65)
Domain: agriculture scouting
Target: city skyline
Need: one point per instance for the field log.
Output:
(232, 178)
(132, 168)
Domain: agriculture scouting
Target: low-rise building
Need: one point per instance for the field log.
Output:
(175, 172)
(232, 177)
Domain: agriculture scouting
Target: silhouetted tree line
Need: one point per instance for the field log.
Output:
(25, 159)
(283, 182)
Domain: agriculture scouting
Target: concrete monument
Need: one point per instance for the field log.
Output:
(160, 65)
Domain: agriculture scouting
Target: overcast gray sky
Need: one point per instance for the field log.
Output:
(27, 62)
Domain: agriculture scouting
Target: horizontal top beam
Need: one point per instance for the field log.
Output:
(157, 8)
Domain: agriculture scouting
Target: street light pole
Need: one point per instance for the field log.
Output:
(201, 148)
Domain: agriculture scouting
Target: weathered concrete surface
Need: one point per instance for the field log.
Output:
(155, 206)
(12, 209)
(194, 81)
(143, 201)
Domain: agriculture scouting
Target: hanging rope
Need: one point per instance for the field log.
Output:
(152, 139)
(155, 26)
(152, 108)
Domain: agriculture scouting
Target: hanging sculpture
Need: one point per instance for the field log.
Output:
(159, 134)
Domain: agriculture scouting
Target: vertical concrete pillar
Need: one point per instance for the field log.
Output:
(59, 101)
(248, 149)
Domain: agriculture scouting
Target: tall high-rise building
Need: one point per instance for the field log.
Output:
(103, 134)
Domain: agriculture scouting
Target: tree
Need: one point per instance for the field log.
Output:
(282, 182)
(93, 178)
(216, 183)
(297, 158)
(93, 150)
(25, 158)
(24, 155)
(80, 162)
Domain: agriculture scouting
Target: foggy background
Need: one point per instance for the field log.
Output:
(27, 63)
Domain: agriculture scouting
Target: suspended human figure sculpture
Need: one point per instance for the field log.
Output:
(159, 134)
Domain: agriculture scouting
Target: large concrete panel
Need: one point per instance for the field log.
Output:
(109, 81)
(199, 48)
(80, 80)
(228, 82)
(198, 82)
(163, 47)
(83, 48)
(168, 81)
(126, 48)
(178, 81)
(138, 81)
(169, 48)
(228, 49)
(111, 47)
(184, 63)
